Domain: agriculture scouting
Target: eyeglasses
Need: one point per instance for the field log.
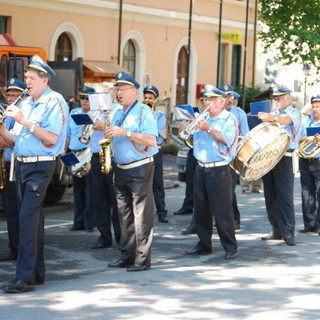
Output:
(122, 89)
(84, 98)
(9, 95)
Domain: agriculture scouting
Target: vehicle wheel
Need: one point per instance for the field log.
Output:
(54, 194)
(181, 176)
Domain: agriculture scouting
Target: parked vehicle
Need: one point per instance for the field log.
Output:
(13, 60)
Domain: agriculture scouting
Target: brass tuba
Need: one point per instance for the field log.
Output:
(105, 143)
(308, 149)
(153, 105)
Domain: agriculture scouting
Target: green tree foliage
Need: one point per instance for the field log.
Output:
(293, 30)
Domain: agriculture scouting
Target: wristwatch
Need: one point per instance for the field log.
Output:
(128, 134)
(209, 130)
(32, 128)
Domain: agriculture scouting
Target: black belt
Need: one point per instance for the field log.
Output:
(95, 154)
(290, 150)
(311, 159)
(78, 150)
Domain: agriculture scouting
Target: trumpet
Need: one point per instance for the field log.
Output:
(23, 94)
(88, 129)
(190, 129)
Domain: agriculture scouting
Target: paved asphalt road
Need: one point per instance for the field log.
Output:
(268, 280)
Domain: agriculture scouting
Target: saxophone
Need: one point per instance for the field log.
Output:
(105, 143)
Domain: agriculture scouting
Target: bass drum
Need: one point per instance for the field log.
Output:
(260, 150)
(82, 168)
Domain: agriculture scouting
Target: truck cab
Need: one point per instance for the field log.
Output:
(13, 60)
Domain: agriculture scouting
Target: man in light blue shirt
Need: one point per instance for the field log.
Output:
(134, 131)
(214, 145)
(310, 171)
(14, 88)
(279, 182)
(82, 206)
(38, 137)
(151, 94)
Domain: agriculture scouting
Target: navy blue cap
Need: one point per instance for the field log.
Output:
(16, 84)
(84, 91)
(280, 91)
(315, 98)
(235, 95)
(125, 78)
(151, 89)
(211, 91)
(36, 63)
(227, 89)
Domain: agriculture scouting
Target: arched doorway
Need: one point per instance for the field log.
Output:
(63, 49)
(181, 96)
(129, 57)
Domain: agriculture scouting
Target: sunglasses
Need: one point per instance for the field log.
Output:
(84, 98)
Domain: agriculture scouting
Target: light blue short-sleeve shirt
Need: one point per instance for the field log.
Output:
(50, 112)
(74, 131)
(241, 119)
(207, 149)
(161, 122)
(140, 119)
(293, 129)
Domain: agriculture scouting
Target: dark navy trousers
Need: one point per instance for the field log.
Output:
(32, 180)
(310, 191)
(11, 211)
(213, 198)
(278, 192)
(158, 188)
(104, 202)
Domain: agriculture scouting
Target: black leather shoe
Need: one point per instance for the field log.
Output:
(310, 229)
(137, 267)
(271, 236)
(230, 255)
(39, 281)
(182, 211)
(73, 228)
(187, 231)
(290, 241)
(163, 219)
(18, 286)
(198, 251)
(11, 256)
(119, 264)
(305, 230)
(100, 245)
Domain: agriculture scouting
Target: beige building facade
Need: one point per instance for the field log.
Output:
(149, 38)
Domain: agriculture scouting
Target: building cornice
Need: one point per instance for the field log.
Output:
(139, 14)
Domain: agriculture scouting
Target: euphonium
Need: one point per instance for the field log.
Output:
(105, 143)
(153, 105)
(88, 130)
(191, 128)
(308, 149)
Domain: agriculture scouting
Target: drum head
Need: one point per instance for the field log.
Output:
(261, 150)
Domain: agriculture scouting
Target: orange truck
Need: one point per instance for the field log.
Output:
(13, 60)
